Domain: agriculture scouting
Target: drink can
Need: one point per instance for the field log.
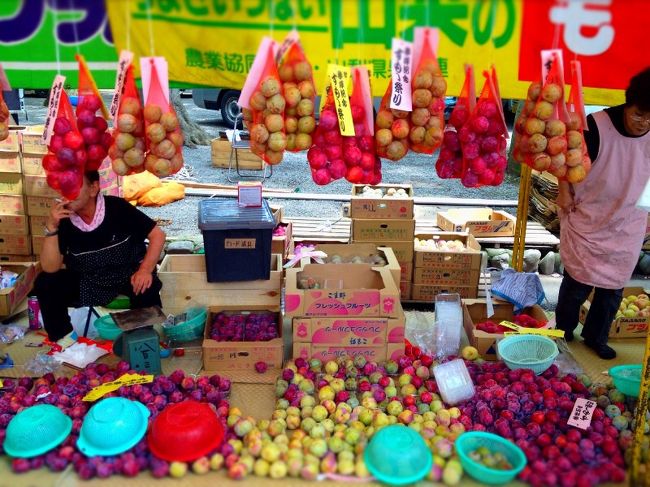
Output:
(34, 313)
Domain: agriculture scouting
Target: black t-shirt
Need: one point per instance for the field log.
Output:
(592, 137)
(121, 220)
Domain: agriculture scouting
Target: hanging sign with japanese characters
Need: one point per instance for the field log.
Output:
(401, 60)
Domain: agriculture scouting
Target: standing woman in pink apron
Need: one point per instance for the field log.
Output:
(602, 230)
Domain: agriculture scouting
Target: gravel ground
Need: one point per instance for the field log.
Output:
(293, 174)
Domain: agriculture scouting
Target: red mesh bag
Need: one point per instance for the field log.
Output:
(450, 160)
(578, 162)
(267, 105)
(128, 150)
(163, 135)
(393, 129)
(65, 161)
(297, 79)
(325, 156)
(91, 124)
(4, 118)
(543, 144)
(483, 138)
(428, 95)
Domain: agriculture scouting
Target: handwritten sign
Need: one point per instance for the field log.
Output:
(402, 57)
(521, 330)
(125, 380)
(53, 107)
(126, 57)
(339, 76)
(580, 417)
(240, 243)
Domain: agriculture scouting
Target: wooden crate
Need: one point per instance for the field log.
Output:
(221, 149)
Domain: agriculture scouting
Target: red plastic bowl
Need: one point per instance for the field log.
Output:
(185, 431)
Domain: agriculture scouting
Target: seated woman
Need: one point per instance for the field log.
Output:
(101, 241)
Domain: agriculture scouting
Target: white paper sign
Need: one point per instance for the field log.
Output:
(126, 57)
(402, 61)
(53, 107)
(580, 417)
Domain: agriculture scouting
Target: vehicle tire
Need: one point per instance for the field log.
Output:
(230, 109)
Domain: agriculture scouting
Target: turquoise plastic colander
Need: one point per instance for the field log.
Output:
(112, 426)
(36, 430)
(468, 442)
(528, 352)
(107, 328)
(398, 455)
(627, 378)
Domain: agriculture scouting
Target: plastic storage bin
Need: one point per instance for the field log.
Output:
(454, 381)
(237, 240)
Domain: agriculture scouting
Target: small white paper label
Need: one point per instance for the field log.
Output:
(126, 57)
(53, 108)
(249, 195)
(582, 412)
(402, 57)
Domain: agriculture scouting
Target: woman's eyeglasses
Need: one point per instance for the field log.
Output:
(640, 119)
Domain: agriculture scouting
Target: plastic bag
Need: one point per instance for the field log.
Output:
(299, 93)
(267, 105)
(4, 118)
(137, 185)
(450, 160)
(523, 289)
(393, 128)
(428, 92)
(163, 135)
(92, 126)
(543, 143)
(42, 364)
(165, 194)
(578, 163)
(483, 139)
(128, 150)
(65, 161)
(11, 333)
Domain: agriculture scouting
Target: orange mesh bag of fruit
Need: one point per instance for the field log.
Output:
(450, 160)
(262, 94)
(483, 138)
(66, 159)
(392, 129)
(163, 135)
(578, 163)
(128, 150)
(428, 94)
(297, 79)
(91, 119)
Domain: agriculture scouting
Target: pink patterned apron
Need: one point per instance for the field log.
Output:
(601, 236)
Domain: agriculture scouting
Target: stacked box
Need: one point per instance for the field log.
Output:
(387, 222)
(15, 244)
(354, 310)
(437, 271)
(221, 150)
(480, 222)
(282, 242)
(622, 327)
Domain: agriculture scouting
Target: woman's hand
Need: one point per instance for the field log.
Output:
(141, 281)
(565, 196)
(57, 213)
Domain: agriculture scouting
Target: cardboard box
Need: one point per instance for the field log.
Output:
(37, 244)
(185, 284)
(425, 292)
(18, 258)
(15, 244)
(406, 271)
(36, 224)
(221, 149)
(394, 350)
(39, 205)
(383, 231)
(636, 327)
(405, 290)
(451, 277)
(12, 204)
(37, 186)
(403, 250)
(11, 297)
(480, 222)
(31, 140)
(360, 249)
(241, 356)
(32, 165)
(468, 259)
(14, 225)
(359, 291)
(381, 208)
(475, 312)
(372, 353)
(348, 331)
(12, 142)
(10, 162)
(281, 244)
(11, 183)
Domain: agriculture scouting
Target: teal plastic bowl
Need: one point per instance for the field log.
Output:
(528, 352)
(112, 426)
(106, 328)
(468, 442)
(36, 430)
(398, 455)
(627, 378)
(189, 330)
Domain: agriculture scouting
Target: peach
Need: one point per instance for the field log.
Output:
(274, 122)
(152, 113)
(396, 150)
(274, 157)
(537, 143)
(556, 145)
(276, 104)
(134, 157)
(290, 125)
(124, 141)
(423, 79)
(302, 71)
(400, 129)
(420, 116)
(305, 107)
(383, 137)
(439, 86)
(292, 96)
(176, 138)
(551, 92)
(417, 135)
(384, 119)
(307, 89)
(421, 98)
(257, 101)
(399, 113)
(169, 121)
(576, 174)
(126, 123)
(155, 132)
(120, 167)
(574, 157)
(575, 122)
(285, 72)
(130, 106)
(303, 141)
(541, 161)
(166, 149)
(534, 126)
(306, 125)
(277, 141)
(543, 110)
(574, 139)
(534, 91)
(270, 86)
(555, 128)
(259, 134)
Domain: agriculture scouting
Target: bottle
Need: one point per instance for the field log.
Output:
(34, 313)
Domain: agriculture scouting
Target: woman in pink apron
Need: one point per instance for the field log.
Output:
(602, 230)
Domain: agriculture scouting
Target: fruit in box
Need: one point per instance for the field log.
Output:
(634, 307)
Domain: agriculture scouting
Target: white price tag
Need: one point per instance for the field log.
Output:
(582, 412)
(402, 60)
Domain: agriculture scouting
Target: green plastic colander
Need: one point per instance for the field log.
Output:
(528, 352)
(468, 442)
(627, 378)
(112, 426)
(36, 430)
(398, 455)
